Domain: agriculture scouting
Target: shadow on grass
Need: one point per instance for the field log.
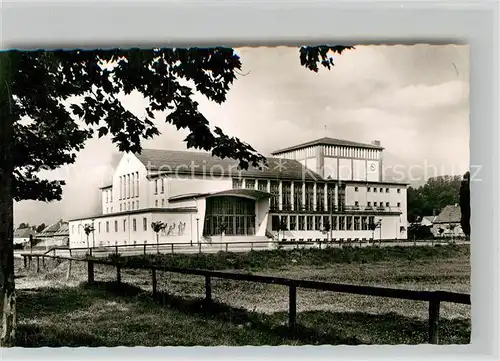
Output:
(52, 307)
(314, 327)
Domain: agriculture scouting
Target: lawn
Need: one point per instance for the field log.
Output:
(55, 312)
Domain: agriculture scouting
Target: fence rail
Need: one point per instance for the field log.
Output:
(226, 246)
(433, 297)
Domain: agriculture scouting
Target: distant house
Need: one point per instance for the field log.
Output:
(449, 222)
(428, 221)
(22, 235)
(56, 234)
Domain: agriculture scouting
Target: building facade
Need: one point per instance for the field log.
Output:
(325, 184)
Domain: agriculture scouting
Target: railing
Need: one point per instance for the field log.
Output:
(226, 246)
(433, 297)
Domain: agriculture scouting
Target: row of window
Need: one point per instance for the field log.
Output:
(160, 183)
(129, 186)
(369, 189)
(107, 224)
(377, 204)
(129, 206)
(319, 223)
(108, 195)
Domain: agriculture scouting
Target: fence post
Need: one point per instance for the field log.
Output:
(172, 245)
(251, 246)
(292, 312)
(90, 271)
(153, 274)
(116, 249)
(37, 264)
(118, 273)
(25, 262)
(208, 289)
(227, 244)
(43, 262)
(319, 244)
(199, 247)
(434, 321)
(144, 248)
(68, 273)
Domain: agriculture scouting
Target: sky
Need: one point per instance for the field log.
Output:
(414, 99)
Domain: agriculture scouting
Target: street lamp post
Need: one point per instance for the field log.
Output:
(198, 230)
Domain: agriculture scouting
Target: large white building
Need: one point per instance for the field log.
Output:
(306, 186)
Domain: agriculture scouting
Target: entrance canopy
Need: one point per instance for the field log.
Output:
(240, 192)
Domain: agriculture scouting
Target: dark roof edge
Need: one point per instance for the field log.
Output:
(323, 142)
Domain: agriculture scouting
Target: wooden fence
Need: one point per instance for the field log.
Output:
(433, 297)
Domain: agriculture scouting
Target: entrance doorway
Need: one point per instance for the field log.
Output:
(234, 214)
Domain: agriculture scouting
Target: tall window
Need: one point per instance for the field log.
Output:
(341, 223)
(293, 223)
(349, 223)
(275, 192)
(137, 183)
(132, 188)
(99, 227)
(134, 225)
(341, 198)
(162, 185)
(275, 220)
(107, 226)
(309, 222)
(326, 221)
(237, 183)
(364, 224)
(371, 220)
(356, 223)
(128, 185)
(286, 195)
(124, 225)
(145, 224)
(297, 196)
(301, 223)
(317, 223)
(330, 195)
(250, 183)
(334, 223)
(309, 196)
(262, 185)
(320, 197)
(116, 226)
(106, 196)
(111, 195)
(156, 186)
(156, 202)
(121, 190)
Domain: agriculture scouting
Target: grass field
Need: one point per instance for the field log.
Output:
(55, 312)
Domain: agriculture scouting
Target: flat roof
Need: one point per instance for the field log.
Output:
(328, 141)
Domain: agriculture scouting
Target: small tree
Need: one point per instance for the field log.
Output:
(223, 229)
(88, 229)
(157, 227)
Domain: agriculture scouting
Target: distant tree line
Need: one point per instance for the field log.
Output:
(431, 198)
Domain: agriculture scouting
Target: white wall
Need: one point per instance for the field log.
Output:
(330, 167)
(373, 171)
(261, 217)
(128, 165)
(345, 169)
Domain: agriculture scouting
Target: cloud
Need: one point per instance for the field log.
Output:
(412, 98)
